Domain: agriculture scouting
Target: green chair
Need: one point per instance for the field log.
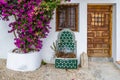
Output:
(66, 43)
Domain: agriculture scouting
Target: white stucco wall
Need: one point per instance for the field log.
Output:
(114, 33)
(6, 40)
(118, 31)
(81, 36)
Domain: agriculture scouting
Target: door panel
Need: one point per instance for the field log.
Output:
(99, 30)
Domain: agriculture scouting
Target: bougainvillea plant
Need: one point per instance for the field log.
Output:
(32, 21)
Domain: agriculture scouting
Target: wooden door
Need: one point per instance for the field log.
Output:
(99, 30)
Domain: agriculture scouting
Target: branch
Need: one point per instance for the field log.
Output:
(14, 30)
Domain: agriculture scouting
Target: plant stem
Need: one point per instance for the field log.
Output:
(14, 30)
(14, 34)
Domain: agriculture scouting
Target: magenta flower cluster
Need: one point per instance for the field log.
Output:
(32, 21)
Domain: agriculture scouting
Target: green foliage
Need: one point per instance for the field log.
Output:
(43, 62)
(53, 47)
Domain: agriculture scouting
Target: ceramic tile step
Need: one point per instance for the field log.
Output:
(100, 59)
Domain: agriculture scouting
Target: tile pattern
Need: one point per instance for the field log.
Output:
(66, 64)
(66, 41)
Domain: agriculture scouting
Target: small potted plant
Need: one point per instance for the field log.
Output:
(30, 27)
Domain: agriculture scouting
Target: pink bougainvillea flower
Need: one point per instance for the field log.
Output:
(32, 21)
(3, 1)
(19, 1)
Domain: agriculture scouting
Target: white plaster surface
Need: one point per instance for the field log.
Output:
(7, 43)
(23, 62)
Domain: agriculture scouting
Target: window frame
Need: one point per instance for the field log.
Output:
(74, 5)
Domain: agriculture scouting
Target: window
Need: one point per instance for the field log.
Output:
(67, 17)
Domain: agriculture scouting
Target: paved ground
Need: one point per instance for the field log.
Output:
(96, 71)
(104, 71)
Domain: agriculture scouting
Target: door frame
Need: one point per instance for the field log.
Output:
(111, 23)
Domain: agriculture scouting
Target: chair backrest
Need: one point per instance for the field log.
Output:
(66, 41)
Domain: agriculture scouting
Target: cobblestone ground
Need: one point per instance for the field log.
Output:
(96, 71)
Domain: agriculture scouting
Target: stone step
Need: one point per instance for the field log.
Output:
(100, 59)
(117, 63)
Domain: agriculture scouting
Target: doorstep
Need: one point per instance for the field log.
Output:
(117, 63)
(100, 59)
